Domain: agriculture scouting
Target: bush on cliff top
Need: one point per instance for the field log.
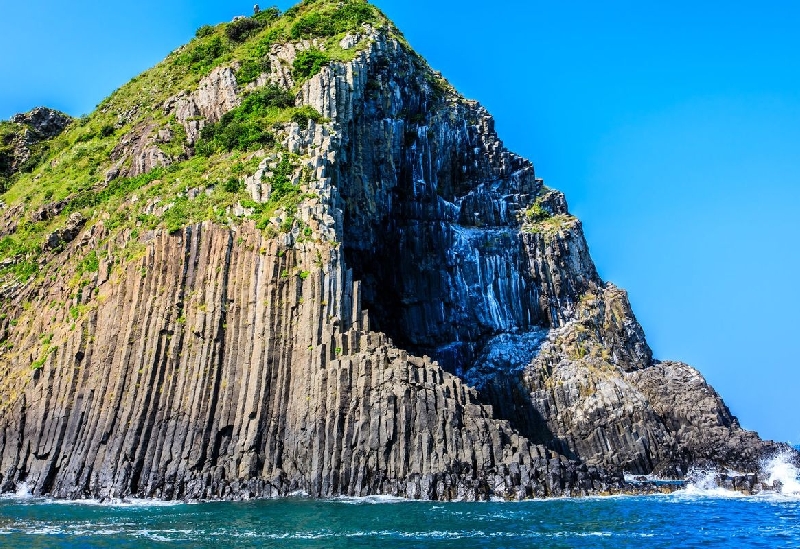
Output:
(347, 17)
(204, 54)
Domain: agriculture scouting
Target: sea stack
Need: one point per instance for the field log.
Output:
(291, 258)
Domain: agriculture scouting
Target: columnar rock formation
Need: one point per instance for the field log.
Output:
(444, 334)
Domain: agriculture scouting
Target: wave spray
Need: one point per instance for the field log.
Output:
(780, 468)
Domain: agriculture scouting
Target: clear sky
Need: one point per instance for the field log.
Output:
(672, 127)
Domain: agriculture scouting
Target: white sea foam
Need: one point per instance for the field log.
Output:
(703, 482)
(372, 499)
(22, 490)
(780, 468)
(425, 534)
(116, 502)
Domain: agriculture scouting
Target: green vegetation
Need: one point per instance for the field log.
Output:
(205, 30)
(268, 15)
(20, 255)
(550, 225)
(241, 29)
(540, 219)
(47, 350)
(90, 263)
(308, 63)
(232, 185)
(71, 168)
(8, 133)
(302, 115)
(537, 213)
(204, 54)
(251, 69)
(285, 195)
(346, 17)
(244, 128)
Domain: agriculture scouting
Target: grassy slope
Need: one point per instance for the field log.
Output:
(74, 168)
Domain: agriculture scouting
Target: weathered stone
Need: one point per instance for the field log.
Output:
(430, 341)
(33, 127)
(43, 123)
(216, 94)
(48, 211)
(60, 237)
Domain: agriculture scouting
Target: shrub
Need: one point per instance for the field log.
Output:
(267, 16)
(280, 183)
(177, 217)
(313, 24)
(251, 69)
(244, 127)
(203, 55)
(291, 12)
(537, 213)
(232, 185)
(229, 135)
(352, 15)
(241, 29)
(90, 263)
(308, 63)
(107, 130)
(205, 30)
(269, 96)
(303, 114)
(349, 17)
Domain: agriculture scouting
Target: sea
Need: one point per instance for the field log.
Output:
(699, 515)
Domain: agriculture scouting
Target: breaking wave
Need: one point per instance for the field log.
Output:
(779, 476)
(781, 469)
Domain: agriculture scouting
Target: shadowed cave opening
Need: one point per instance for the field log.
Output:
(459, 293)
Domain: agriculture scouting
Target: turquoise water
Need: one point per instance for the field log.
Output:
(679, 520)
(701, 515)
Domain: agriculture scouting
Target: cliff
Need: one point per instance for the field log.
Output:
(292, 258)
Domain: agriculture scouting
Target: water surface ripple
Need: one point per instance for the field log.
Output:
(678, 520)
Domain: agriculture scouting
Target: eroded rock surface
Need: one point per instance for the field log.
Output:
(444, 335)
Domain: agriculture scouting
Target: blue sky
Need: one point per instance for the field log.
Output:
(674, 131)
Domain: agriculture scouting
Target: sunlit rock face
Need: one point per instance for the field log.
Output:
(442, 334)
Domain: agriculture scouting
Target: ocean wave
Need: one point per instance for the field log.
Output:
(373, 500)
(781, 470)
(23, 495)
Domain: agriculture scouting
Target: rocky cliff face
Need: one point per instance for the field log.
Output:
(424, 321)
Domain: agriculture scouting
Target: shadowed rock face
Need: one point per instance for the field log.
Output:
(222, 363)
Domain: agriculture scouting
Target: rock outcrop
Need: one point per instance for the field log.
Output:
(430, 324)
(30, 129)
